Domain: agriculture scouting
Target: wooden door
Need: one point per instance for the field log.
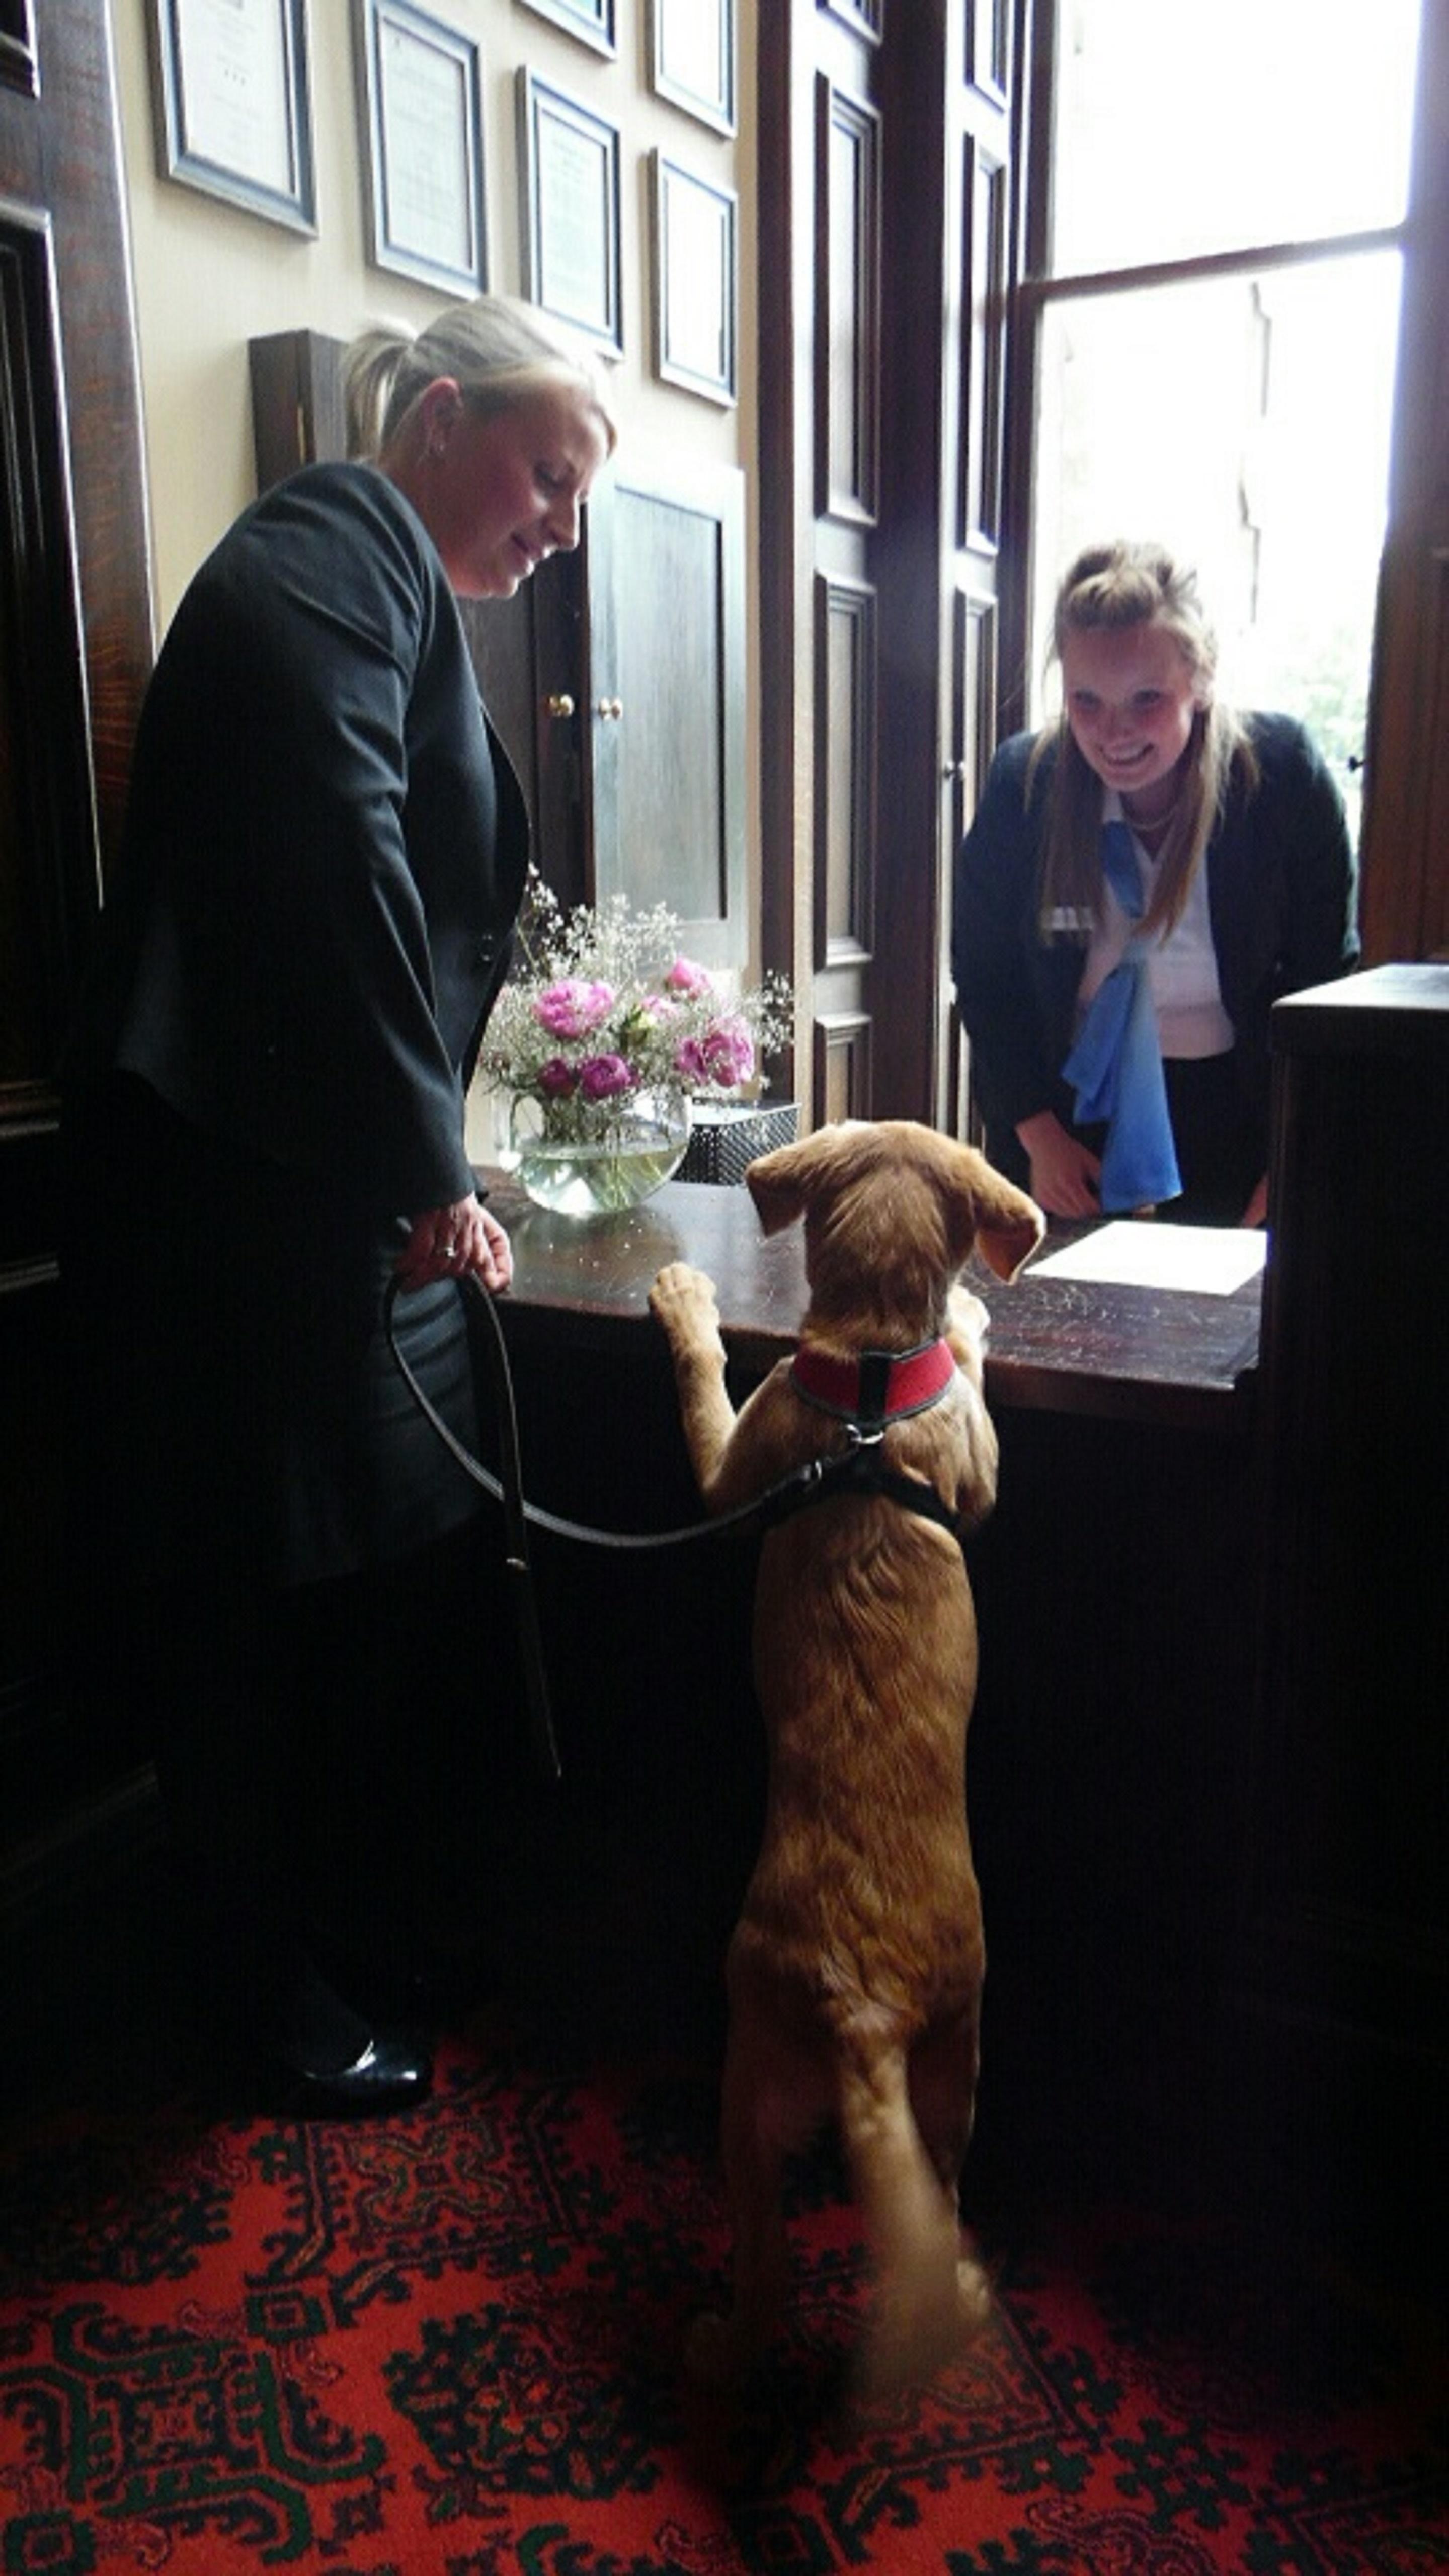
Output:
(885, 227)
(820, 214)
(75, 650)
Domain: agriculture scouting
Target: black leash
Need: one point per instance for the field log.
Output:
(855, 1469)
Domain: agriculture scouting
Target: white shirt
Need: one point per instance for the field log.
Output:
(1182, 968)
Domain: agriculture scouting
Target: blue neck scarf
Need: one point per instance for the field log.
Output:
(1115, 1066)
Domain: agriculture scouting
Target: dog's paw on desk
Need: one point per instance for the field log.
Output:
(682, 1300)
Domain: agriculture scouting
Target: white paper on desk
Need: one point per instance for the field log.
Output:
(1143, 1253)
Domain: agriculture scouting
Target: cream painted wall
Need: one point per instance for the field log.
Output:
(208, 277)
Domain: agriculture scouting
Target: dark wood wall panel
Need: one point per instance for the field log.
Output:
(974, 691)
(1406, 803)
(849, 268)
(1405, 870)
(842, 1067)
(846, 702)
(18, 64)
(48, 853)
(983, 346)
(75, 653)
(987, 28)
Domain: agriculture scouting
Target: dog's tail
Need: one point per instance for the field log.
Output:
(931, 2297)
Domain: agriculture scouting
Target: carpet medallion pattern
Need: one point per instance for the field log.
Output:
(447, 2344)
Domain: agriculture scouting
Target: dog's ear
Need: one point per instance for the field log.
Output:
(781, 1183)
(1009, 1225)
(777, 1184)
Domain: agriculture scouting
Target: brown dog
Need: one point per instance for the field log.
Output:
(855, 1970)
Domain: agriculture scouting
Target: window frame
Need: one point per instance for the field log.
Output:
(1038, 288)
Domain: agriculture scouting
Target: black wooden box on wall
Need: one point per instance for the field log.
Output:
(1348, 1909)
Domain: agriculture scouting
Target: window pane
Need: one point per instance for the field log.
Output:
(1243, 422)
(1180, 130)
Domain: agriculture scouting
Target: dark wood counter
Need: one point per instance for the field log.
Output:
(1165, 1357)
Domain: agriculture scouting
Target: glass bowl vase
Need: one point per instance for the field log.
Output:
(598, 1162)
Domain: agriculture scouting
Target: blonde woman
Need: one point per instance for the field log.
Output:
(324, 857)
(1171, 863)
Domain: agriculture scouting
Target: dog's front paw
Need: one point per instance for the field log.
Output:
(683, 1301)
(967, 1325)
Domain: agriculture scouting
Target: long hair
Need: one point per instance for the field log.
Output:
(499, 350)
(1116, 586)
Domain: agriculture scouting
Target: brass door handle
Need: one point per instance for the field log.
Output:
(611, 709)
(559, 705)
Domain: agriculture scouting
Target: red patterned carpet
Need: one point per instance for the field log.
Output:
(448, 2345)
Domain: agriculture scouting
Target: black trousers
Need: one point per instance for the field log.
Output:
(283, 1585)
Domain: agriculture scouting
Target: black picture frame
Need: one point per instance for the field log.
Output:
(234, 105)
(568, 161)
(421, 100)
(695, 280)
(592, 21)
(692, 58)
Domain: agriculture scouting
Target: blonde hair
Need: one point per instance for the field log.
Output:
(1116, 586)
(498, 350)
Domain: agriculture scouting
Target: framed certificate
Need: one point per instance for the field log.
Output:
(694, 282)
(592, 21)
(568, 160)
(692, 58)
(234, 113)
(421, 95)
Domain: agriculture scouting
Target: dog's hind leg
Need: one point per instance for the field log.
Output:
(720, 2350)
(930, 2298)
(942, 2074)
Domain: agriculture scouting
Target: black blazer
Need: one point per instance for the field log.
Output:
(1282, 898)
(324, 853)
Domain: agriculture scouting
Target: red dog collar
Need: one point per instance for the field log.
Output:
(879, 1385)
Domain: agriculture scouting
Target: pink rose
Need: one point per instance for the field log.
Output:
(557, 1078)
(570, 1008)
(602, 1077)
(725, 1055)
(687, 978)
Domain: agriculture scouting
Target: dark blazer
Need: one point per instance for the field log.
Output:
(1282, 900)
(324, 855)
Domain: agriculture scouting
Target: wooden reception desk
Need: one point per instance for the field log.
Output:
(1171, 1358)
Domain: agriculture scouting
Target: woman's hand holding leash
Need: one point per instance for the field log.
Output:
(447, 1242)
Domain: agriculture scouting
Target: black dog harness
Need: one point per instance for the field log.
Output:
(867, 1394)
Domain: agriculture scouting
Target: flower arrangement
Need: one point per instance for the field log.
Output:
(601, 1008)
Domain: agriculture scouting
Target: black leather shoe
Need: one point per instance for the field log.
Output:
(337, 2059)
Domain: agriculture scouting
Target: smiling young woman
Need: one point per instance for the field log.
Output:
(1151, 834)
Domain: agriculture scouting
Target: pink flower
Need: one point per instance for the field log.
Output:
(725, 1055)
(571, 1008)
(557, 1078)
(601, 1077)
(687, 978)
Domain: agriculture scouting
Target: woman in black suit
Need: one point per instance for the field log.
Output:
(324, 857)
(1238, 871)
